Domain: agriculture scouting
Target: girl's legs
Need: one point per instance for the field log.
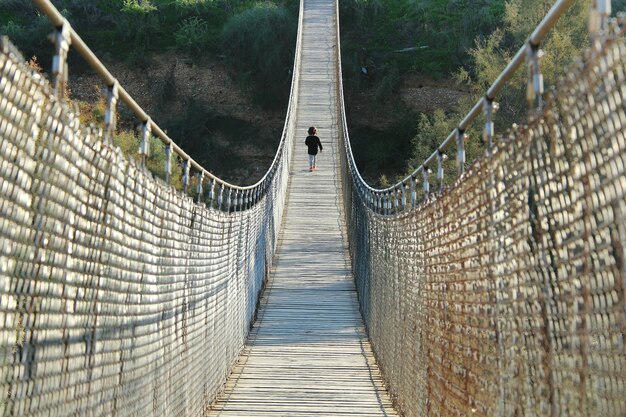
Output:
(311, 162)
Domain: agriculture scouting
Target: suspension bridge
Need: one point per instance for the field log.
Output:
(312, 293)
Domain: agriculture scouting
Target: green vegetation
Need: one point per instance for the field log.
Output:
(383, 41)
(256, 39)
(196, 27)
(490, 55)
(470, 41)
(259, 46)
(379, 152)
(425, 36)
(127, 139)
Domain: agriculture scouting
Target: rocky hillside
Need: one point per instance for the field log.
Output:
(243, 133)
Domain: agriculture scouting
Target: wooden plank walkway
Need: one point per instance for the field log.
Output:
(308, 354)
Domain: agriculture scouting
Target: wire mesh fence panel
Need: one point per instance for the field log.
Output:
(504, 295)
(118, 294)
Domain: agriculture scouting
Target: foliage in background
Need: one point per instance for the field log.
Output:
(193, 35)
(489, 57)
(432, 131)
(130, 30)
(387, 39)
(382, 42)
(134, 30)
(259, 45)
(381, 152)
(128, 141)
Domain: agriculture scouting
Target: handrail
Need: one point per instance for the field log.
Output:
(532, 43)
(92, 60)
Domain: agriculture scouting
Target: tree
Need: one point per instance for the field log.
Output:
(489, 57)
(259, 45)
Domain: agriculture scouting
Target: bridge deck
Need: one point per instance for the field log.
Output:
(308, 353)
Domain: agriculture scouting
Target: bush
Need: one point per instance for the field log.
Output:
(128, 142)
(388, 83)
(432, 130)
(31, 37)
(490, 55)
(259, 45)
(139, 26)
(192, 35)
(441, 31)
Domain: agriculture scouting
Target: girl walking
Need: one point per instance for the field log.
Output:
(312, 142)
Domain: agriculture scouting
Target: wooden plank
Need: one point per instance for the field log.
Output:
(308, 353)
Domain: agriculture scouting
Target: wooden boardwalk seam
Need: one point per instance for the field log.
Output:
(308, 354)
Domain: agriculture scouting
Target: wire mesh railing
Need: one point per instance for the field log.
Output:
(119, 295)
(505, 293)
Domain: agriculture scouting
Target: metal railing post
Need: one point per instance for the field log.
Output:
(220, 197)
(394, 192)
(489, 108)
(534, 89)
(168, 163)
(110, 116)
(460, 151)
(598, 17)
(426, 184)
(186, 169)
(229, 199)
(144, 147)
(200, 186)
(440, 158)
(212, 192)
(62, 41)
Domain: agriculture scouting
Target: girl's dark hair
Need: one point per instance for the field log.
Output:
(312, 130)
